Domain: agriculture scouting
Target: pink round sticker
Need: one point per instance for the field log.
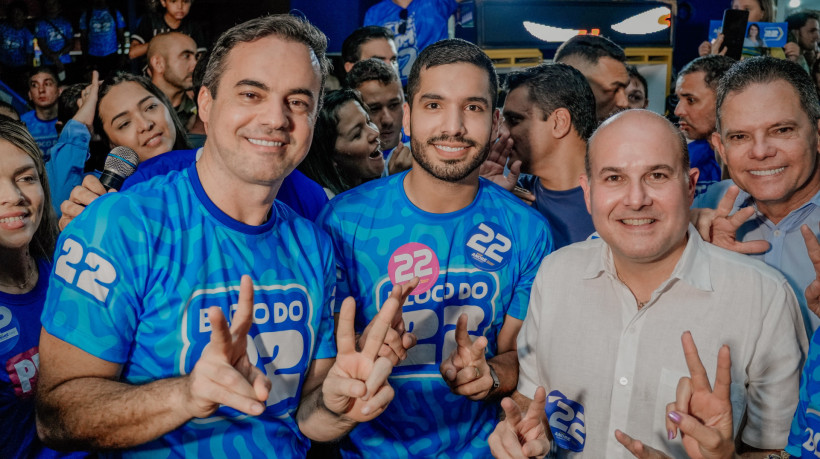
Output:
(414, 260)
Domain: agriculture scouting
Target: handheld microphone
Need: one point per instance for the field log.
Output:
(120, 163)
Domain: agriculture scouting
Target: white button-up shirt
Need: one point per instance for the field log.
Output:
(585, 337)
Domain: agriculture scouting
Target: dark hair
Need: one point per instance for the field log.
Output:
(452, 51)
(634, 73)
(369, 70)
(683, 147)
(199, 75)
(318, 164)
(43, 69)
(42, 243)
(768, 10)
(352, 46)
(762, 70)
(283, 26)
(590, 48)
(553, 86)
(67, 102)
(798, 20)
(181, 142)
(713, 66)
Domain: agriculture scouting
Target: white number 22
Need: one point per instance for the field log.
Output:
(93, 279)
(413, 266)
(494, 249)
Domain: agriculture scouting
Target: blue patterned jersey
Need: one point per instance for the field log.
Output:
(133, 279)
(102, 28)
(804, 437)
(16, 46)
(480, 260)
(53, 34)
(425, 24)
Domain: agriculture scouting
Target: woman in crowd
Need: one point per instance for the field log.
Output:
(345, 151)
(28, 231)
(753, 39)
(129, 111)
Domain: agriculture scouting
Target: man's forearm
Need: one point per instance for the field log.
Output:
(317, 422)
(99, 413)
(506, 368)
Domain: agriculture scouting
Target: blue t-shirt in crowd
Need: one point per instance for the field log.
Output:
(16, 47)
(425, 24)
(480, 260)
(102, 31)
(20, 359)
(44, 132)
(302, 194)
(804, 438)
(703, 157)
(135, 274)
(54, 33)
(566, 211)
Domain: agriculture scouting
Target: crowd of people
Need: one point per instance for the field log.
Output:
(431, 261)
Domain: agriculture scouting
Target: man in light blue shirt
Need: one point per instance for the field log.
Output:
(768, 119)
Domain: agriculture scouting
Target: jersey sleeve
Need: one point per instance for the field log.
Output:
(531, 257)
(101, 261)
(120, 21)
(326, 342)
(328, 220)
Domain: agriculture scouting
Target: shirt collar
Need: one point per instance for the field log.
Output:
(692, 268)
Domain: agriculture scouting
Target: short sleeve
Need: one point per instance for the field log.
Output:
(329, 222)
(540, 246)
(101, 259)
(120, 21)
(528, 380)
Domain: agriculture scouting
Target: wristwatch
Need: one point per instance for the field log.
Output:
(493, 375)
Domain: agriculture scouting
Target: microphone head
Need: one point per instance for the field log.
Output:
(122, 161)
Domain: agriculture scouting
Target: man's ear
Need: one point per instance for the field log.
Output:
(585, 186)
(204, 101)
(405, 118)
(561, 123)
(348, 66)
(717, 145)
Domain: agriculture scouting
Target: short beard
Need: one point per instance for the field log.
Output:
(452, 171)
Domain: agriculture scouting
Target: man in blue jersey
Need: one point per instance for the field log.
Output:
(475, 248)
(415, 24)
(136, 353)
(42, 121)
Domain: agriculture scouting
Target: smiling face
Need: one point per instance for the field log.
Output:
(261, 122)
(42, 90)
(133, 117)
(21, 197)
(451, 121)
(638, 191)
(696, 106)
(770, 146)
(357, 151)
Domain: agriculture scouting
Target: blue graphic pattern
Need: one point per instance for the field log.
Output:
(804, 438)
(368, 225)
(135, 274)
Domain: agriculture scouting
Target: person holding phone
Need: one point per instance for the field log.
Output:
(759, 11)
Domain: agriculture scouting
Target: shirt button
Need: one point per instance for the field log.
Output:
(777, 233)
(623, 381)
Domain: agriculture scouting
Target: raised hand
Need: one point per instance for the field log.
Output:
(81, 196)
(466, 370)
(702, 413)
(723, 227)
(813, 289)
(87, 103)
(356, 386)
(224, 375)
(521, 435)
(493, 167)
(400, 160)
(398, 340)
